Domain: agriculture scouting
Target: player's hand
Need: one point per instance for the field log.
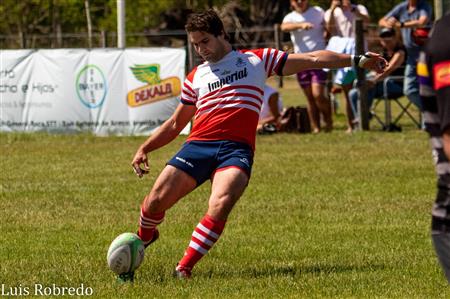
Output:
(373, 61)
(140, 158)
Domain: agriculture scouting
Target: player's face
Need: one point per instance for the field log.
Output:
(211, 48)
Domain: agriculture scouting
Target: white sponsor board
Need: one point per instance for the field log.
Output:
(103, 91)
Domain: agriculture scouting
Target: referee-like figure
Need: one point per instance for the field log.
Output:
(434, 78)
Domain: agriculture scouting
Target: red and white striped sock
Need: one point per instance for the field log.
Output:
(147, 225)
(203, 238)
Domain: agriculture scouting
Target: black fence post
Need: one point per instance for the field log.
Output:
(361, 78)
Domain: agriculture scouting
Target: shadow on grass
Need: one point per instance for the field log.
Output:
(291, 271)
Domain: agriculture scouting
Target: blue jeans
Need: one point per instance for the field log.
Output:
(411, 85)
(394, 90)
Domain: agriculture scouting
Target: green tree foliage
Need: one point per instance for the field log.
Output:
(34, 18)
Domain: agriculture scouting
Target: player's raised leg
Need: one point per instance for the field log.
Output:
(171, 185)
(227, 187)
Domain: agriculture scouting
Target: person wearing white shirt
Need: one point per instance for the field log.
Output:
(339, 19)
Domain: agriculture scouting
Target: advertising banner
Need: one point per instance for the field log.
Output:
(103, 91)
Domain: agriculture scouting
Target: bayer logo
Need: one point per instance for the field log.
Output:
(91, 86)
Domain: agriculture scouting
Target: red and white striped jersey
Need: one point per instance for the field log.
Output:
(228, 94)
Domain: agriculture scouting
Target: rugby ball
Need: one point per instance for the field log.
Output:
(126, 253)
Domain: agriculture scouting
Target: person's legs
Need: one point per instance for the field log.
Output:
(189, 168)
(411, 86)
(440, 214)
(171, 185)
(355, 102)
(323, 103)
(394, 88)
(304, 80)
(411, 89)
(441, 242)
(353, 94)
(348, 107)
(228, 183)
(227, 187)
(345, 77)
(313, 109)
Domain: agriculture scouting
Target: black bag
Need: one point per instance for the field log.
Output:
(296, 120)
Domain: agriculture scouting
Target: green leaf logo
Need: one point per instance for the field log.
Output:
(147, 73)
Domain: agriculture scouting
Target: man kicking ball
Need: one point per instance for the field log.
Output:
(223, 95)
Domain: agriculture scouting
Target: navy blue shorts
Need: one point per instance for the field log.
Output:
(201, 159)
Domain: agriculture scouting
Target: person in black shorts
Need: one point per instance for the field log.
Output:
(434, 77)
(223, 96)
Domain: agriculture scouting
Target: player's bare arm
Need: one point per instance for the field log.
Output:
(168, 131)
(327, 59)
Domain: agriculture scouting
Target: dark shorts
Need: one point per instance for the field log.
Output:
(201, 159)
(306, 78)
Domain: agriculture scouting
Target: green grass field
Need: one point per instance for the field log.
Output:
(325, 216)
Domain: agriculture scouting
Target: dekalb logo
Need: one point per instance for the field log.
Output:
(156, 89)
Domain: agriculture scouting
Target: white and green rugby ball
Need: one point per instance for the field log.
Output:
(126, 253)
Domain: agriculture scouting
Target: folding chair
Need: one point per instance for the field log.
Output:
(388, 124)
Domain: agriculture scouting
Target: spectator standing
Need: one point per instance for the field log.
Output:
(434, 77)
(340, 16)
(408, 16)
(306, 26)
(339, 20)
(395, 54)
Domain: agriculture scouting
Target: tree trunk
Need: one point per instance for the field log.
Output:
(56, 35)
(89, 23)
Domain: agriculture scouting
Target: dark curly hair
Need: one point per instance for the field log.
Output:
(207, 21)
